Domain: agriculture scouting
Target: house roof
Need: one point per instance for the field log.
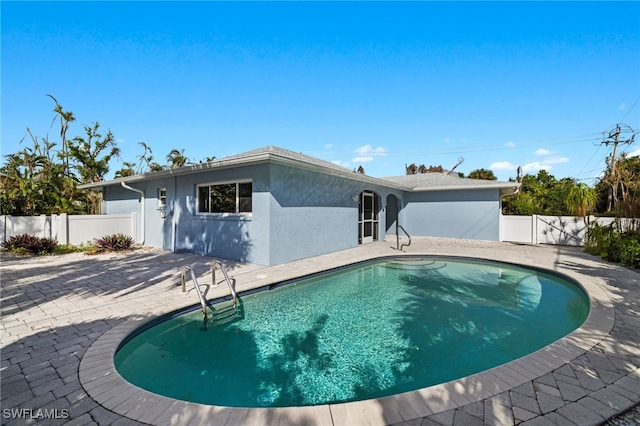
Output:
(443, 181)
(420, 182)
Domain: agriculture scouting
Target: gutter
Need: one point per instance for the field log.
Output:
(142, 200)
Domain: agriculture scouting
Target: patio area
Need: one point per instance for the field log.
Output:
(62, 318)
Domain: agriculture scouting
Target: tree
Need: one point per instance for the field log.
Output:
(90, 162)
(581, 200)
(38, 179)
(126, 170)
(626, 181)
(145, 158)
(412, 169)
(482, 174)
(33, 183)
(539, 194)
(176, 158)
(65, 117)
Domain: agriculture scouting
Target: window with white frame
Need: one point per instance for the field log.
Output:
(234, 197)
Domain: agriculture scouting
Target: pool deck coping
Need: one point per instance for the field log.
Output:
(106, 387)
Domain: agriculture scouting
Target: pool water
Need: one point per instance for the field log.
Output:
(363, 332)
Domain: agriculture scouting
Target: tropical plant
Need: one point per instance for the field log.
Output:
(65, 117)
(39, 179)
(115, 242)
(29, 244)
(613, 244)
(413, 169)
(90, 162)
(581, 200)
(483, 174)
(539, 194)
(126, 170)
(176, 158)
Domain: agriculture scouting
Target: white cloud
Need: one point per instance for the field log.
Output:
(502, 166)
(327, 146)
(542, 151)
(362, 159)
(342, 163)
(635, 153)
(536, 166)
(368, 150)
(555, 160)
(510, 144)
(622, 107)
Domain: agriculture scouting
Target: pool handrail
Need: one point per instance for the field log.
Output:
(226, 278)
(203, 301)
(400, 246)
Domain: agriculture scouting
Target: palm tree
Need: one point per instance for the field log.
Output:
(126, 170)
(581, 200)
(66, 117)
(176, 158)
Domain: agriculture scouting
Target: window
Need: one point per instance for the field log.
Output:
(162, 197)
(225, 198)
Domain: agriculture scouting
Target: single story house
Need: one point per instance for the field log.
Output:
(271, 205)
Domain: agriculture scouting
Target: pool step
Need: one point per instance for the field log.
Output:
(222, 314)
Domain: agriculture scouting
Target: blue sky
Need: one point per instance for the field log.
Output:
(501, 84)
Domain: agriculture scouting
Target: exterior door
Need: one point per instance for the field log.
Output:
(368, 217)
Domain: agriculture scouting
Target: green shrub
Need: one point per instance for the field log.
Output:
(629, 251)
(610, 243)
(115, 242)
(28, 244)
(72, 248)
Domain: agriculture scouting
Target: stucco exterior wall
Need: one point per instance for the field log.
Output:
(472, 214)
(240, 236)
(314, 213)
(296, 213)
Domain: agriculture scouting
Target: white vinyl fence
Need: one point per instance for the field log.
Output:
(536, 229)
(66, 229)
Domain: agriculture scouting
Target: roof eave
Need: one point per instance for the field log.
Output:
(192, 168)
(505, 188)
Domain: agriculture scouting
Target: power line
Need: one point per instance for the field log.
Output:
(629, 110)
(589, 161)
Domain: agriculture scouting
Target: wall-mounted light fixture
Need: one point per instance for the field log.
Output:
(163, 211)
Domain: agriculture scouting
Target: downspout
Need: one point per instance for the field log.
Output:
(142, 200)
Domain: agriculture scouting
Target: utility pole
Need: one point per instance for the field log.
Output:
(613, 138)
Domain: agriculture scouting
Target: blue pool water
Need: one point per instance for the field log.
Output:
(362, 332)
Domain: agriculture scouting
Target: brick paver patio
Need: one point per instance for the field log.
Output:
(57, 310)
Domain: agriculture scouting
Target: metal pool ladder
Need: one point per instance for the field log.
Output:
(201, 295)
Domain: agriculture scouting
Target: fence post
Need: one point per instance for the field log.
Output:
(5, 218)
(534, 229)
(46, 220)
(64, 229)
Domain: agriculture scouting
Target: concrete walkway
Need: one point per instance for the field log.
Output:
(63, 317)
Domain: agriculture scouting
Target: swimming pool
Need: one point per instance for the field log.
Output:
(361, 332)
